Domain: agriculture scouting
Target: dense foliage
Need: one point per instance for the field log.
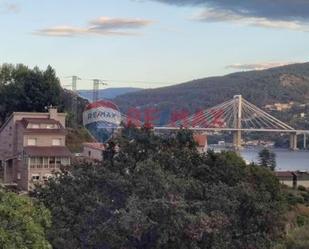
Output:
(267, 159)
(160, 193)
(296, 219)
(23, 89)
(22, 223)
(76, 137)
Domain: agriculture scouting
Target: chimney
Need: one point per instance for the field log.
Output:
(53, 112)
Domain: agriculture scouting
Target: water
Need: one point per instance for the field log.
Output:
(286, 159)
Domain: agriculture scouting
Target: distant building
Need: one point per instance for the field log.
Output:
(287, 178)
(293, 179)
(32, 147)
(302, 179)
(280, 106)
(263, 143)
(202, 144)
(93, 151)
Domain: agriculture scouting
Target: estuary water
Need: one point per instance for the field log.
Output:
(286, 159)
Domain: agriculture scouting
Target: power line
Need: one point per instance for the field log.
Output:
(126, 81)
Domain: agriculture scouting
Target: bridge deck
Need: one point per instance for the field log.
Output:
(234, 129)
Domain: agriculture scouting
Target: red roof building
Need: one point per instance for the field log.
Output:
(202, 142)
(93, 151)
(32, 147)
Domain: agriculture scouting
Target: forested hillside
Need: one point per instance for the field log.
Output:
(282, 84)
(108, 93)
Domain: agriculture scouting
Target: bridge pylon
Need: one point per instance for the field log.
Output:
(293, 141)
(237, 112)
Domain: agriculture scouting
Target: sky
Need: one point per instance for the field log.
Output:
(152, 43)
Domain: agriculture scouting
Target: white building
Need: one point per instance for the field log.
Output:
(93, 151)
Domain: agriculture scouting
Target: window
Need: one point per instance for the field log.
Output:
(89, 153)
(50, 126)
(34, 126)
(36, 162)
(58, 162)
(65, 161)
(35, 177)
(32, 162)
(52, 162)
(31, 141)
(39, 162)
(57, 142)
(45, 162)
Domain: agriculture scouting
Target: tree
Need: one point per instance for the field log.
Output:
(22, 223)
(31, 90)
(159, 192)
(25, 89)
(267, 159)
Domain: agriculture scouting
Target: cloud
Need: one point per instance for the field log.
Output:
(291, 14)
(101, 26)
(274, 9)
(210, 15)
(6, 7)
(258, 66)
(119, 23)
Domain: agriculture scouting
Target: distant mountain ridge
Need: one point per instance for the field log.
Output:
(108, 93)
(281, 84)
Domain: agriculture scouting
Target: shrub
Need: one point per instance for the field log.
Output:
(301, 188)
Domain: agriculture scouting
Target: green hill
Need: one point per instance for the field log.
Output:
(276, 85)
(108, 93)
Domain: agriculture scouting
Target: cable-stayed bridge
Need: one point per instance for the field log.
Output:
(236, 116)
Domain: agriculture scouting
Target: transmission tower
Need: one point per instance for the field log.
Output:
(74, 97)
(74, 83)
(96, 89)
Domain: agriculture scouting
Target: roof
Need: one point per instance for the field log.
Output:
(96, 146)
(26, 113)
(60, 151)
(27, 121)
(302, 176)
(200, 139)
(102, 103)
(284, 174)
